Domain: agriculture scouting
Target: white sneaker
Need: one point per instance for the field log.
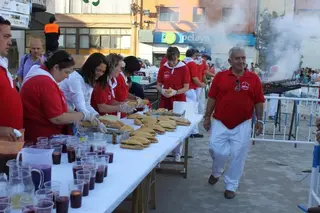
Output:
(177, 158)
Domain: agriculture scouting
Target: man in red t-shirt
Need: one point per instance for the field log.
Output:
(11, 111)
(195, 82)
(234, 95)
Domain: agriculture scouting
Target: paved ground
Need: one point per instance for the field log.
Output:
(273, 182)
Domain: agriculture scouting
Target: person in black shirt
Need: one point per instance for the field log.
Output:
(135, 89)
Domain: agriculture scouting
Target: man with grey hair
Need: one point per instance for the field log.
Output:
(234, 95)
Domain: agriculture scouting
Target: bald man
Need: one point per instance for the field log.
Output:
(30, 59)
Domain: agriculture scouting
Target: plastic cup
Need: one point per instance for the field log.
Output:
(43, 139)
(93, 155)
(55, 187)
(93, 170)
(76, 191)
(44, 206)
(71, 150)
(44, 194)
(105, 158)
(84, 175)
(76, 167)
(27, 203)
(62, 204)
(56, 155)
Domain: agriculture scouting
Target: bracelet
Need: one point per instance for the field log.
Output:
(260, 121)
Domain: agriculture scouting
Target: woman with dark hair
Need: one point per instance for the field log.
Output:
(173, 79)
(45, 109)
(78, 87)
(103, 97)
(122, 90)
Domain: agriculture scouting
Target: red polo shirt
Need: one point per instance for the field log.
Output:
(42, 100)
(201, 70)
(193, 69)
(232, 107)
(101, 95)
(174, 78)
(11, 110)
(121, 91)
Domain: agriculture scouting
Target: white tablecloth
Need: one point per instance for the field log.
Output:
(128, 169)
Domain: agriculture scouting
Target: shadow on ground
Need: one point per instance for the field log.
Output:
(272, 182)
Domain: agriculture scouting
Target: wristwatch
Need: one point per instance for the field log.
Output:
(260, 121)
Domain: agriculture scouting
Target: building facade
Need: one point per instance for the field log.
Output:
(88, 27)
(194, 23)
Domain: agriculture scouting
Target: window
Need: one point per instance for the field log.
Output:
(105, 42)
(228, 14)
(84, 41)
(170, 14)
(199, 14)
(95, 41)
(70, 41)
(104, 7)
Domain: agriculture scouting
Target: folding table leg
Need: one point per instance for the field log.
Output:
(145, 193)
(153, 190)
(186, 152)
(135, 200)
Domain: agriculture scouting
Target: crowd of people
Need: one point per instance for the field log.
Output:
(307, 75)
(52, 96)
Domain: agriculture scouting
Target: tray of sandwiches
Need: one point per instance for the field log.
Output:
(116, 130)
(162, 111)
(151, 126)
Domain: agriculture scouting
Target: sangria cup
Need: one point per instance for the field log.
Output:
(44, 206)
(54, 186)
(105, 160)
(71, 150)
(27, 201)
(56, 155)
(110, 156)
(76, 167)
(42, 145)
(62, 204)
(76, 191)
(93, 170)
(81, 150)
(100, 173)
(44, 194)
(84, 175)
(5, 208)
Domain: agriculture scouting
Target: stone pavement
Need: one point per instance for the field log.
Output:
(272, 182)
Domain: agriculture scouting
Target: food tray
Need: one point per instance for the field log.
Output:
(168, 113)
(114, 136)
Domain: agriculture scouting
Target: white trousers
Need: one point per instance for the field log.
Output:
(226, 142)
(191, 96)
(273, 105)
(201, 100)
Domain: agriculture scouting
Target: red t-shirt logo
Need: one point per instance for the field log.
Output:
(245, 85)
(166, 74)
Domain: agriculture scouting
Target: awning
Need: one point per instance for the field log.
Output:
(39, 19)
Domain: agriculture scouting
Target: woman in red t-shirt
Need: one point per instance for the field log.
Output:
(103, 97)
(173, 79)
(44, 105)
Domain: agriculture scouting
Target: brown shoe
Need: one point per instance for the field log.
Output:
(212, 180)
(229, 194)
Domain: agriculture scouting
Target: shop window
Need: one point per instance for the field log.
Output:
(125, 42)
(95, 41)
(170, 14)
(70, 41)
(105, 42)
(84, 31)
(84, 41)
(61, 42)
(115, 42)
(199, 14)
(71, 30)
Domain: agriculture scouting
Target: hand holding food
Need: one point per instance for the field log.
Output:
(126, 108)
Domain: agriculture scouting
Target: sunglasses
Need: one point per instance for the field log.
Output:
(237, 88)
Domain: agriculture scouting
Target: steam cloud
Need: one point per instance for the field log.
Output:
(290, 32)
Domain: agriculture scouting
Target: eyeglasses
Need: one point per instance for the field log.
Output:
(237, 88)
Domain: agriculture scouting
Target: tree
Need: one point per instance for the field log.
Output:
(265, 36)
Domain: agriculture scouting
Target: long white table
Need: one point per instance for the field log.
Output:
(126, 172)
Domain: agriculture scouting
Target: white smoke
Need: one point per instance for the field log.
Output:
(219, 41)
(291, 30)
